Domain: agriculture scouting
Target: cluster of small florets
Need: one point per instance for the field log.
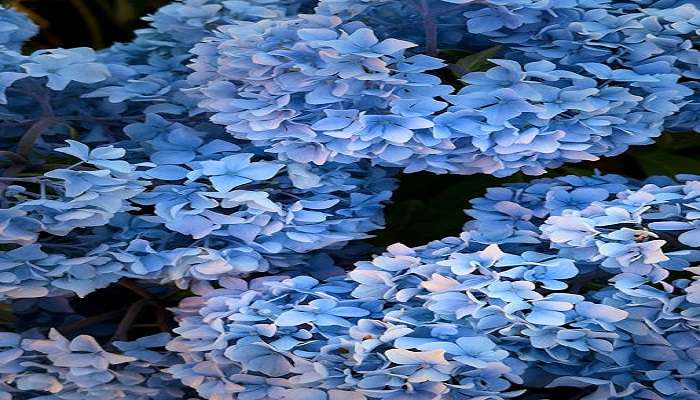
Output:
(580, 282)
(156, 194)
(235, 140)
(227, 216)
(55, 367)
(112, 173)
(16, 29)
(316, 90)
(581, 80)
(657, 39)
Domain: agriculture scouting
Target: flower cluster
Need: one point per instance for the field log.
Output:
(533, 116)
(157, 192)
(315, 90)
(657, 38)
(15, 29)
(596, 78)
(214, 212)
(583, 282)
(55, 367)
(235, 152)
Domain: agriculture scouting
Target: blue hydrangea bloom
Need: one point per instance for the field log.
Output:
(576, 291)
(15, 28)
(318, 91)
(148, 188)
(52, 366)
(237, 148)
(218, 218)
(293, 94)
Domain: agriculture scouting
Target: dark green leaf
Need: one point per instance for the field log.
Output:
(474, 62)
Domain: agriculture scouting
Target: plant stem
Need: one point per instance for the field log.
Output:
(162, 318)
(145, 294)
(430, 27)
(85, 322)
(13, 157)
(161, 311)
(26, 143)
(128, 320)
(48, 118)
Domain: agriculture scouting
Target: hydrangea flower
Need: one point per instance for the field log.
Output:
(317, 91)
(15, 28)
(55, 367)
(464, 317)
(151, 191)
(225, 206)
(565, 62)
(62, 66)
(254, 139)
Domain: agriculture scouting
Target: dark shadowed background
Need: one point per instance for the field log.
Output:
(93, 23)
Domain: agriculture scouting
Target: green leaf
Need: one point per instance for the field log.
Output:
(125, 12)
(73, 133)
(474, 62)
(429, 207)
(678, 141)
(665, 163)
(6, 315)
